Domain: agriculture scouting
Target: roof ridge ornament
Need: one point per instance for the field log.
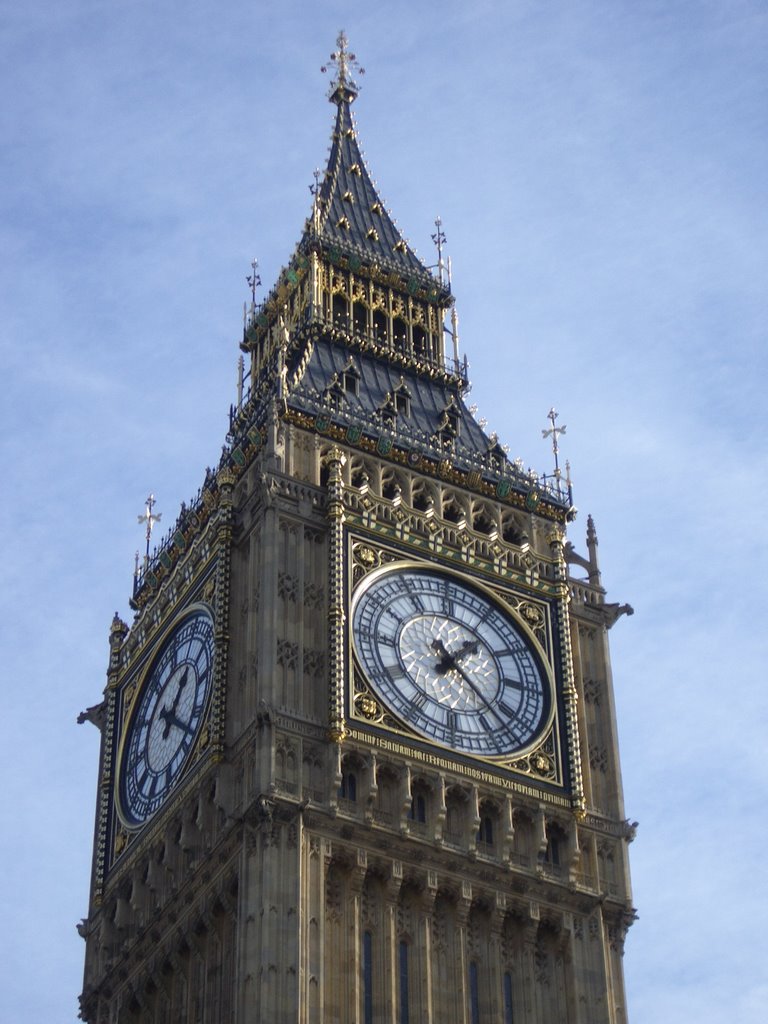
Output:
(439, 239)
(148, 519)
(554, 432)
(344, 89)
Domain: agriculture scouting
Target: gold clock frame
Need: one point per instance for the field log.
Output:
(132, 691)
(541, 759)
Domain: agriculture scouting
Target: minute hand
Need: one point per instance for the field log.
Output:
(473, 687)
(168, 714)
(450, 661)
(169, 717)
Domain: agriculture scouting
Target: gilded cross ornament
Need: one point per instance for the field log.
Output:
(554, 432)
(439, 239)
(345, 62)
(254, 280)
(149, 518)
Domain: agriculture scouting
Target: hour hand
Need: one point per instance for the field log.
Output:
(168, 715)
(447, 660)
(468, 647)
(182, 684)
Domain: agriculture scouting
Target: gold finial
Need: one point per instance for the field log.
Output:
(343, 87)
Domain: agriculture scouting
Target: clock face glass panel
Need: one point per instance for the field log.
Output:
(450, 661)
(167, 719)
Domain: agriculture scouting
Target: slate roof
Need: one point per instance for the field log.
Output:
(377, 379)
(352, 216)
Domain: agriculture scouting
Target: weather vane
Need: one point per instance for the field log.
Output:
(150, 519)
(554, 432)
(345, 62)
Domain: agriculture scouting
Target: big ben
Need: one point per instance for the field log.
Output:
(359, 757)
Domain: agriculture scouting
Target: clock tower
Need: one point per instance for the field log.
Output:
(359, 759)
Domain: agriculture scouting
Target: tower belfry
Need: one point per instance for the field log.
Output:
(359, 758)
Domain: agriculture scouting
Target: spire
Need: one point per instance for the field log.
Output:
(349, 217)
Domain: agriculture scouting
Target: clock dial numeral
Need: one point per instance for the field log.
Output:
(458, 667)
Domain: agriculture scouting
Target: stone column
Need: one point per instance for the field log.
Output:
(335, 461)
(570, 694)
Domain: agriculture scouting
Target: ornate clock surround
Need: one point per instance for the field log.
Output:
(135, 653)
(544, 760)
(161, 740)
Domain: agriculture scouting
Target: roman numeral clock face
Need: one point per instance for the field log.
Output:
(450, 661)
(167, 718)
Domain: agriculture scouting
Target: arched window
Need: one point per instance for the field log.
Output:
(512, 531)
(508, 1012)
(522, 839)
(419, 341)
(348, 787)
(555, 851)
(421, 497)
(485, 832)
(402, 963)
(380, 326)
(552, 856)
(452, 511)
(388, 802)
(399, 334)
(350, 378)
(340, 310)
(483, 521)
(454, 817)
(418, 809)
(359, 318)
(474, 994)
(367, 978)
(390, 484)
(402, 399)
(358, 473)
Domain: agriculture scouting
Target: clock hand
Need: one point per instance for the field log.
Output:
(170, 712)
(446, 661)
(449, 661)
(182, 684)
(473, 687)
(170, 719)
(468, 647)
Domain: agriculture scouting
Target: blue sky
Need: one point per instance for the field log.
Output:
(600, 170)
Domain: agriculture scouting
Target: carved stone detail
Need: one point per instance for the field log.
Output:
(287, 586)
(598, 758)
(593, 689)
(314, 664)
(314, 595)
(287, 653)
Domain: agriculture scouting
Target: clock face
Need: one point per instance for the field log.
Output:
(167, 718)
(450, 661)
